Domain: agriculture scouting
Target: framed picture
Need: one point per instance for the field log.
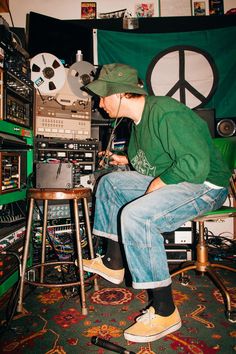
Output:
(216, 7)
(200, 8)
(175, 8)
(88, 10)
(4, 6)
(145, 9)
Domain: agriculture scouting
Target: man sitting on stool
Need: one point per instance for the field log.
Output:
(177, 175)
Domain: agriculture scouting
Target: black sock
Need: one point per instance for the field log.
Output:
(113, 257)
(162, 300)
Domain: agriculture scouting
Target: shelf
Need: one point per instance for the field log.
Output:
(11, 128)
(12, 197)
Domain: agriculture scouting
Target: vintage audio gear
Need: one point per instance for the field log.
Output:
(65, 96)
(47, 73)
(18, 106)
(59, 212)
(66, 122)
(80, 73)
(13, 163)
(63, 109)
(183, 235)
(73, 159)
(11, 241)
(179, 243)
(17, 90)
(66, 150)
(178, 255)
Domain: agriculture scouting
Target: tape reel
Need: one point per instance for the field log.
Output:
(47, 73)
(65, 96)
(80, 73)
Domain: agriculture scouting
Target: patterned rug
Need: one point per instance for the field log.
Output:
(53, 323)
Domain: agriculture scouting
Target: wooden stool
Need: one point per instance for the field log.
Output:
(57, 194)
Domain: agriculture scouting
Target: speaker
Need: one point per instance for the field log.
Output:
(208, 115)
(226, 127)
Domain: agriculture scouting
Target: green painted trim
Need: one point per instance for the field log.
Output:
(12, 197)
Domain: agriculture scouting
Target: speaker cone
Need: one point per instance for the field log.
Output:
(226, 127)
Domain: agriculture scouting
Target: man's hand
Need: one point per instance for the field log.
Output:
(156, 183)
(113, 159)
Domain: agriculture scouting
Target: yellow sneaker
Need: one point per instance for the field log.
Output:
(150, 326)
(96, 266)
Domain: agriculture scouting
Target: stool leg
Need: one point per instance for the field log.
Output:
(43, 247)
(25, 255)
(79, 258)
(89, 235)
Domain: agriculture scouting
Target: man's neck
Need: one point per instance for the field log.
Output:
(135, 107)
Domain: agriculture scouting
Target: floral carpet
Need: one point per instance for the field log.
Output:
(52, 322)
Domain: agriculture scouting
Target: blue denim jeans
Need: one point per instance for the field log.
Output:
(124, 213)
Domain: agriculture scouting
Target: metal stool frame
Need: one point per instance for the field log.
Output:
(57, 194)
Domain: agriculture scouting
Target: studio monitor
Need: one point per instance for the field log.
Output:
(208, 115)
(226, 127)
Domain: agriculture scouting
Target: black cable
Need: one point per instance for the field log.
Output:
(66, 272)
(220, 247)
(47, 233)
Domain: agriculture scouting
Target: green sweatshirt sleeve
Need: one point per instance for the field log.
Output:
(187, 146)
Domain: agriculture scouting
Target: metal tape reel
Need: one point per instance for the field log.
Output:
(47, 73)
(80, 73)
(65, 96)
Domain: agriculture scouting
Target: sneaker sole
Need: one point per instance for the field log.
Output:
(146, 339)
(104, 275)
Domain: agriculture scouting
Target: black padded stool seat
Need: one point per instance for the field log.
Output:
(47, 195)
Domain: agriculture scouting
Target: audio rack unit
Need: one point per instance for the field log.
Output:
(16, 151)
(13, 163)
(54, 120)
(11, 242)
(82, 151)
(63, 108)
(179, 254)
(179, 244)
(61, 163)
(60, 229)
(16, 87)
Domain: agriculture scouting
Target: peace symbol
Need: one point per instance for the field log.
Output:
(186, 73)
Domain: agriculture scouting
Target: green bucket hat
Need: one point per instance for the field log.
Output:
(116, 78)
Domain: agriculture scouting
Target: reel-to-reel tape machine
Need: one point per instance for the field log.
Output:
(63, 108)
